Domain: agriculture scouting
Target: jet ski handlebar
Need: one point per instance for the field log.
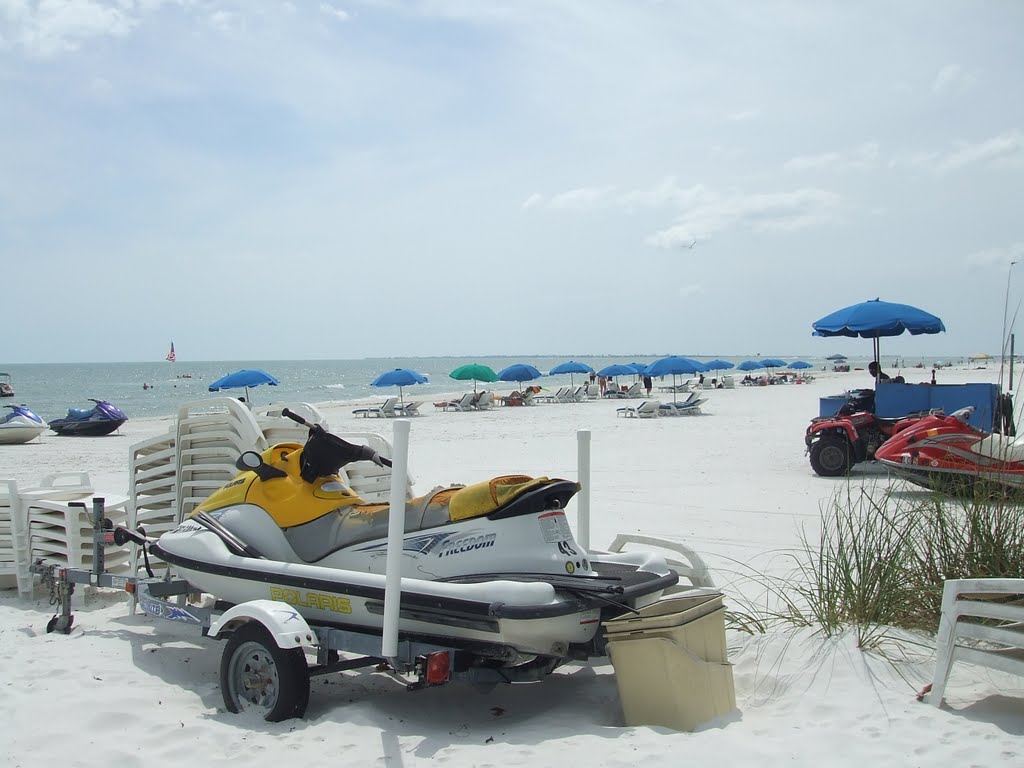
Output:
(324, 453)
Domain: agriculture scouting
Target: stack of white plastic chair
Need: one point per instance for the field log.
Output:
(14, 560)
(280, 429)
(370, 481)
(211, 435)
(61, 532)
(153, 487)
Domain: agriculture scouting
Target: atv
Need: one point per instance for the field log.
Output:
(852, 435)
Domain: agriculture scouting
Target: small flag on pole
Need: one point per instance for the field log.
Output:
(171, 357)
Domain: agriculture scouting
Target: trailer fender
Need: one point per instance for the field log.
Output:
(288, 628)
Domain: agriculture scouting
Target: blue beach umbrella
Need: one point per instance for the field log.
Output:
(750, 365)
(570, 367)
(773, 362)
(675, 366)
(617, 369)
(799, 365)
(243, 379)
(519, 372)
(399, 377)
(719, 365)
(874, 319)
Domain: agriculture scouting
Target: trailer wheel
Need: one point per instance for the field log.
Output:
(830, 456)
(257, 675)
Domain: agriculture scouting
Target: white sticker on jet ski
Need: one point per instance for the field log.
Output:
(554, 526)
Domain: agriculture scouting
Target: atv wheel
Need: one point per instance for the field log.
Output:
(830, 456)
(256, 675)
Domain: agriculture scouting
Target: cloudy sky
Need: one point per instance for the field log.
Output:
(348, 178)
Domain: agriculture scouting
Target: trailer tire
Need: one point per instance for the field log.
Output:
(255, 674)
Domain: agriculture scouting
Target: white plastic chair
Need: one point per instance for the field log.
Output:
(982, 623)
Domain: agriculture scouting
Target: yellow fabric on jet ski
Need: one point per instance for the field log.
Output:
(483, 498)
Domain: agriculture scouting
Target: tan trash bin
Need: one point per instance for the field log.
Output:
(670, 662)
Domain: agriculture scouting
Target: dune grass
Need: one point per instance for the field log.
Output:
(880, 558)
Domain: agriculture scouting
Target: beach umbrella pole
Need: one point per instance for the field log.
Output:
(396, 530)
(583, 478)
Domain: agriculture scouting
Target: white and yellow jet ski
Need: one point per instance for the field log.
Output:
(491, 567)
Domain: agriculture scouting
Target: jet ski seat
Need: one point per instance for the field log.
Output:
(498, 498)
(79, 414)
(1001, 447)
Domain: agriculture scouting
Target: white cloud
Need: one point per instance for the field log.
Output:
(667, 193)
(772, 212)
(743, 116)
(863, 157)
(585, 198)
(533, 201)
(952, 78)
(337, 13)
(53, 27)
(1000, 257)
(102, 90)
(998, 149)
(691, 290)
(224, 22)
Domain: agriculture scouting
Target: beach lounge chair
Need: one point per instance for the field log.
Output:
(464, 403)
(648, 409)
(635, 391)
(982, 623)
(409, 409)
(485, 401)
(385, 409)
(593, 390)
(578, 395)
(529, 397)
(552, 398)
(688, 407)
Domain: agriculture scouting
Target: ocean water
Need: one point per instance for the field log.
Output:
(50, 389)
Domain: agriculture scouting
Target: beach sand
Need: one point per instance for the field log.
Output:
(733, 483)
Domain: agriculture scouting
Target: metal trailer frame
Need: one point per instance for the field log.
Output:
(419, 662)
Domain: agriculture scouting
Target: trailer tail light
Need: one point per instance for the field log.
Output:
(438, 667)
(129, 587)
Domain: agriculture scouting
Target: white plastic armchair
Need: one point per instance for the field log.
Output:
(982, 623)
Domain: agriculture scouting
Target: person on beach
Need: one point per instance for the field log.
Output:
(602, 382)
(648, 384)
(876, 372)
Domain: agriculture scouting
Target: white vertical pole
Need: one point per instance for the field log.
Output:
(396, 531)
(583, 477)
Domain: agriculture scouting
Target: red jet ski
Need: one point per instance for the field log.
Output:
(946, 454)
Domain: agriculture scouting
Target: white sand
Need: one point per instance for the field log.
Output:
(734, 484)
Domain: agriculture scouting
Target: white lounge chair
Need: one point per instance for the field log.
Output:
(691, 405)
(464, 403)
(635, 391)
(485, 401)
(557, 397)
(409, 409)
(384, 410)
(989, 615)
(648, 409)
